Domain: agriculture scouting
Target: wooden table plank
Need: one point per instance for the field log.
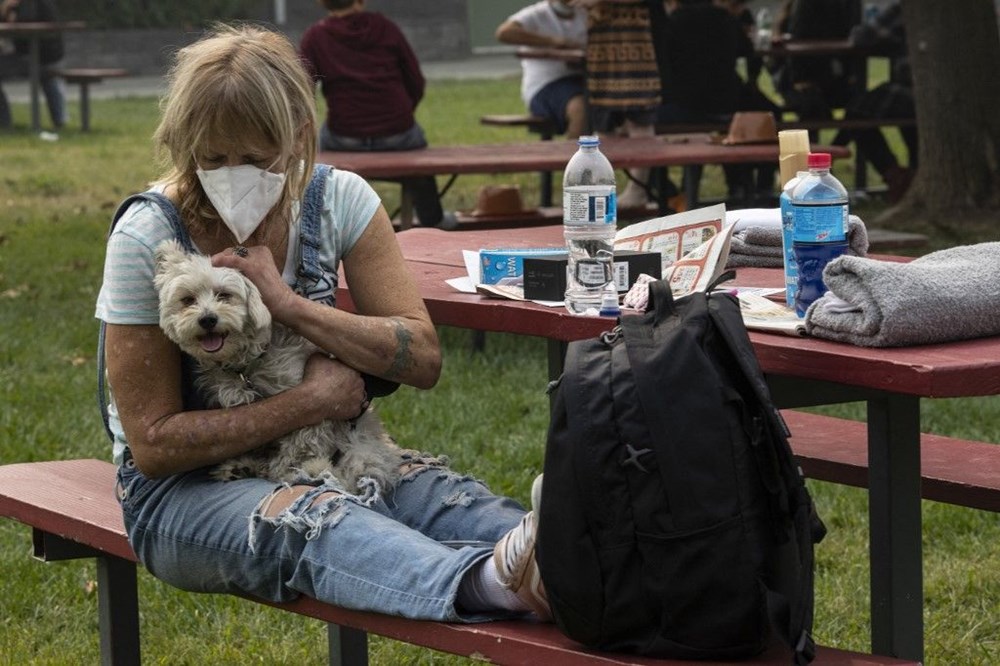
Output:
(623, 152)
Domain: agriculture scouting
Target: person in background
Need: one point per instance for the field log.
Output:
(551, 88)
(703, 42)
(14, 58)
(812, 86)
(436, 545)
(892, 99)
(623, 76)
(372, 83)
(748, 25)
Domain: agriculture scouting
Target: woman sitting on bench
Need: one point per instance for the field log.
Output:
(436, 546)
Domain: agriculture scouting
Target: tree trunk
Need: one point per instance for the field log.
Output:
(954, 52)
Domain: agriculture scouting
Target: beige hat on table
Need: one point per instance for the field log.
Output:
(752, 127)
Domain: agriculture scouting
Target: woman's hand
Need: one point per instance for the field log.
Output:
(257, 264)
(340, 385)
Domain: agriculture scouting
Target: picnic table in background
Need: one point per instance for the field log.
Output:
(623, 152)
(34, 32)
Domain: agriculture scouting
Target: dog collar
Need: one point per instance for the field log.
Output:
(244, 374)
(246, 381)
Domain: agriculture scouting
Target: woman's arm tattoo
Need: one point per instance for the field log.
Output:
(403, 359)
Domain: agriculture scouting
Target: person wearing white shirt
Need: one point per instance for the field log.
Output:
(551, 88)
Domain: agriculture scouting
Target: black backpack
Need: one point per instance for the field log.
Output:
(674, 521)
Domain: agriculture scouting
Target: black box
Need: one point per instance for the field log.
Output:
(545, 276)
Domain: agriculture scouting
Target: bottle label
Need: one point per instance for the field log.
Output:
(787, 237)
(593, 273)
(589, 204)
(817, 223)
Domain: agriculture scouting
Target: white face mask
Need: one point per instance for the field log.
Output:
(243, 195)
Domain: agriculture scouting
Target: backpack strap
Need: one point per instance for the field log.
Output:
(173, 216)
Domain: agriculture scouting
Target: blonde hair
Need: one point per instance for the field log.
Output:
(243, 83)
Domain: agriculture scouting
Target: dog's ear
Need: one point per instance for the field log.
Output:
(258, 316)
(169, 254)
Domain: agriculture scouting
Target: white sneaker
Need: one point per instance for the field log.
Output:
(448, 222)
(514, 557)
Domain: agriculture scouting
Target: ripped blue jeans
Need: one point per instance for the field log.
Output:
(402, 553)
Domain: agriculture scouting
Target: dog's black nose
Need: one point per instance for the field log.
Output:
(208, 321)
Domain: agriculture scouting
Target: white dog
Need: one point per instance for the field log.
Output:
(216, 315)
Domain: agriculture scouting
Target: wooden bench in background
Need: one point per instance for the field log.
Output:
(85, 77)
(71, 508)
(546, 130)
(534, 124)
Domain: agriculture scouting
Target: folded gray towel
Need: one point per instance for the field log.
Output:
(760, 247)
(947, 295)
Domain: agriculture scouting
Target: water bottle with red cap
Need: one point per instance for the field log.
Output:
(820, 212)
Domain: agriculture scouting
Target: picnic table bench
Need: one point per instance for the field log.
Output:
(34, 32)
(71, 508)
(85, 77)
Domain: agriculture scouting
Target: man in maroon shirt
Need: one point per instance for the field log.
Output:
(372, 83)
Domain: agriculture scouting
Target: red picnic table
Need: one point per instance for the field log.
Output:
(623, 152)
(801, 372)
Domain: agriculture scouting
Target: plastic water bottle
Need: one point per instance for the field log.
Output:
(820, 211)
(590, 218)
(793, 147)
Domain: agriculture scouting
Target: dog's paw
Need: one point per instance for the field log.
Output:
(231, 471)
(356, 465)
(316, 468)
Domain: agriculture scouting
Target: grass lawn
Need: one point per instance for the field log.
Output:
(489, 413)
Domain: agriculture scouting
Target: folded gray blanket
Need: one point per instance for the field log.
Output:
(760, 246)
(946, 295)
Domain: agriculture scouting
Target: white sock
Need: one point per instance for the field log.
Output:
(480, 590)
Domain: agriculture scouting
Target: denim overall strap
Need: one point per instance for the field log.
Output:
(173, 216)
(311, 280)
(168, 209)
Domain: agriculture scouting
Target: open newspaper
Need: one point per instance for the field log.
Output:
(693, 246)
(694, 249)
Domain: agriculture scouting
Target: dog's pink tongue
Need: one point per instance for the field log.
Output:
(212, 342)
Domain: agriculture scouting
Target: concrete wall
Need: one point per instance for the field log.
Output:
(437, 31)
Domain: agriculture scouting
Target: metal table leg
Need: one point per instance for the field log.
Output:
(895, 524)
